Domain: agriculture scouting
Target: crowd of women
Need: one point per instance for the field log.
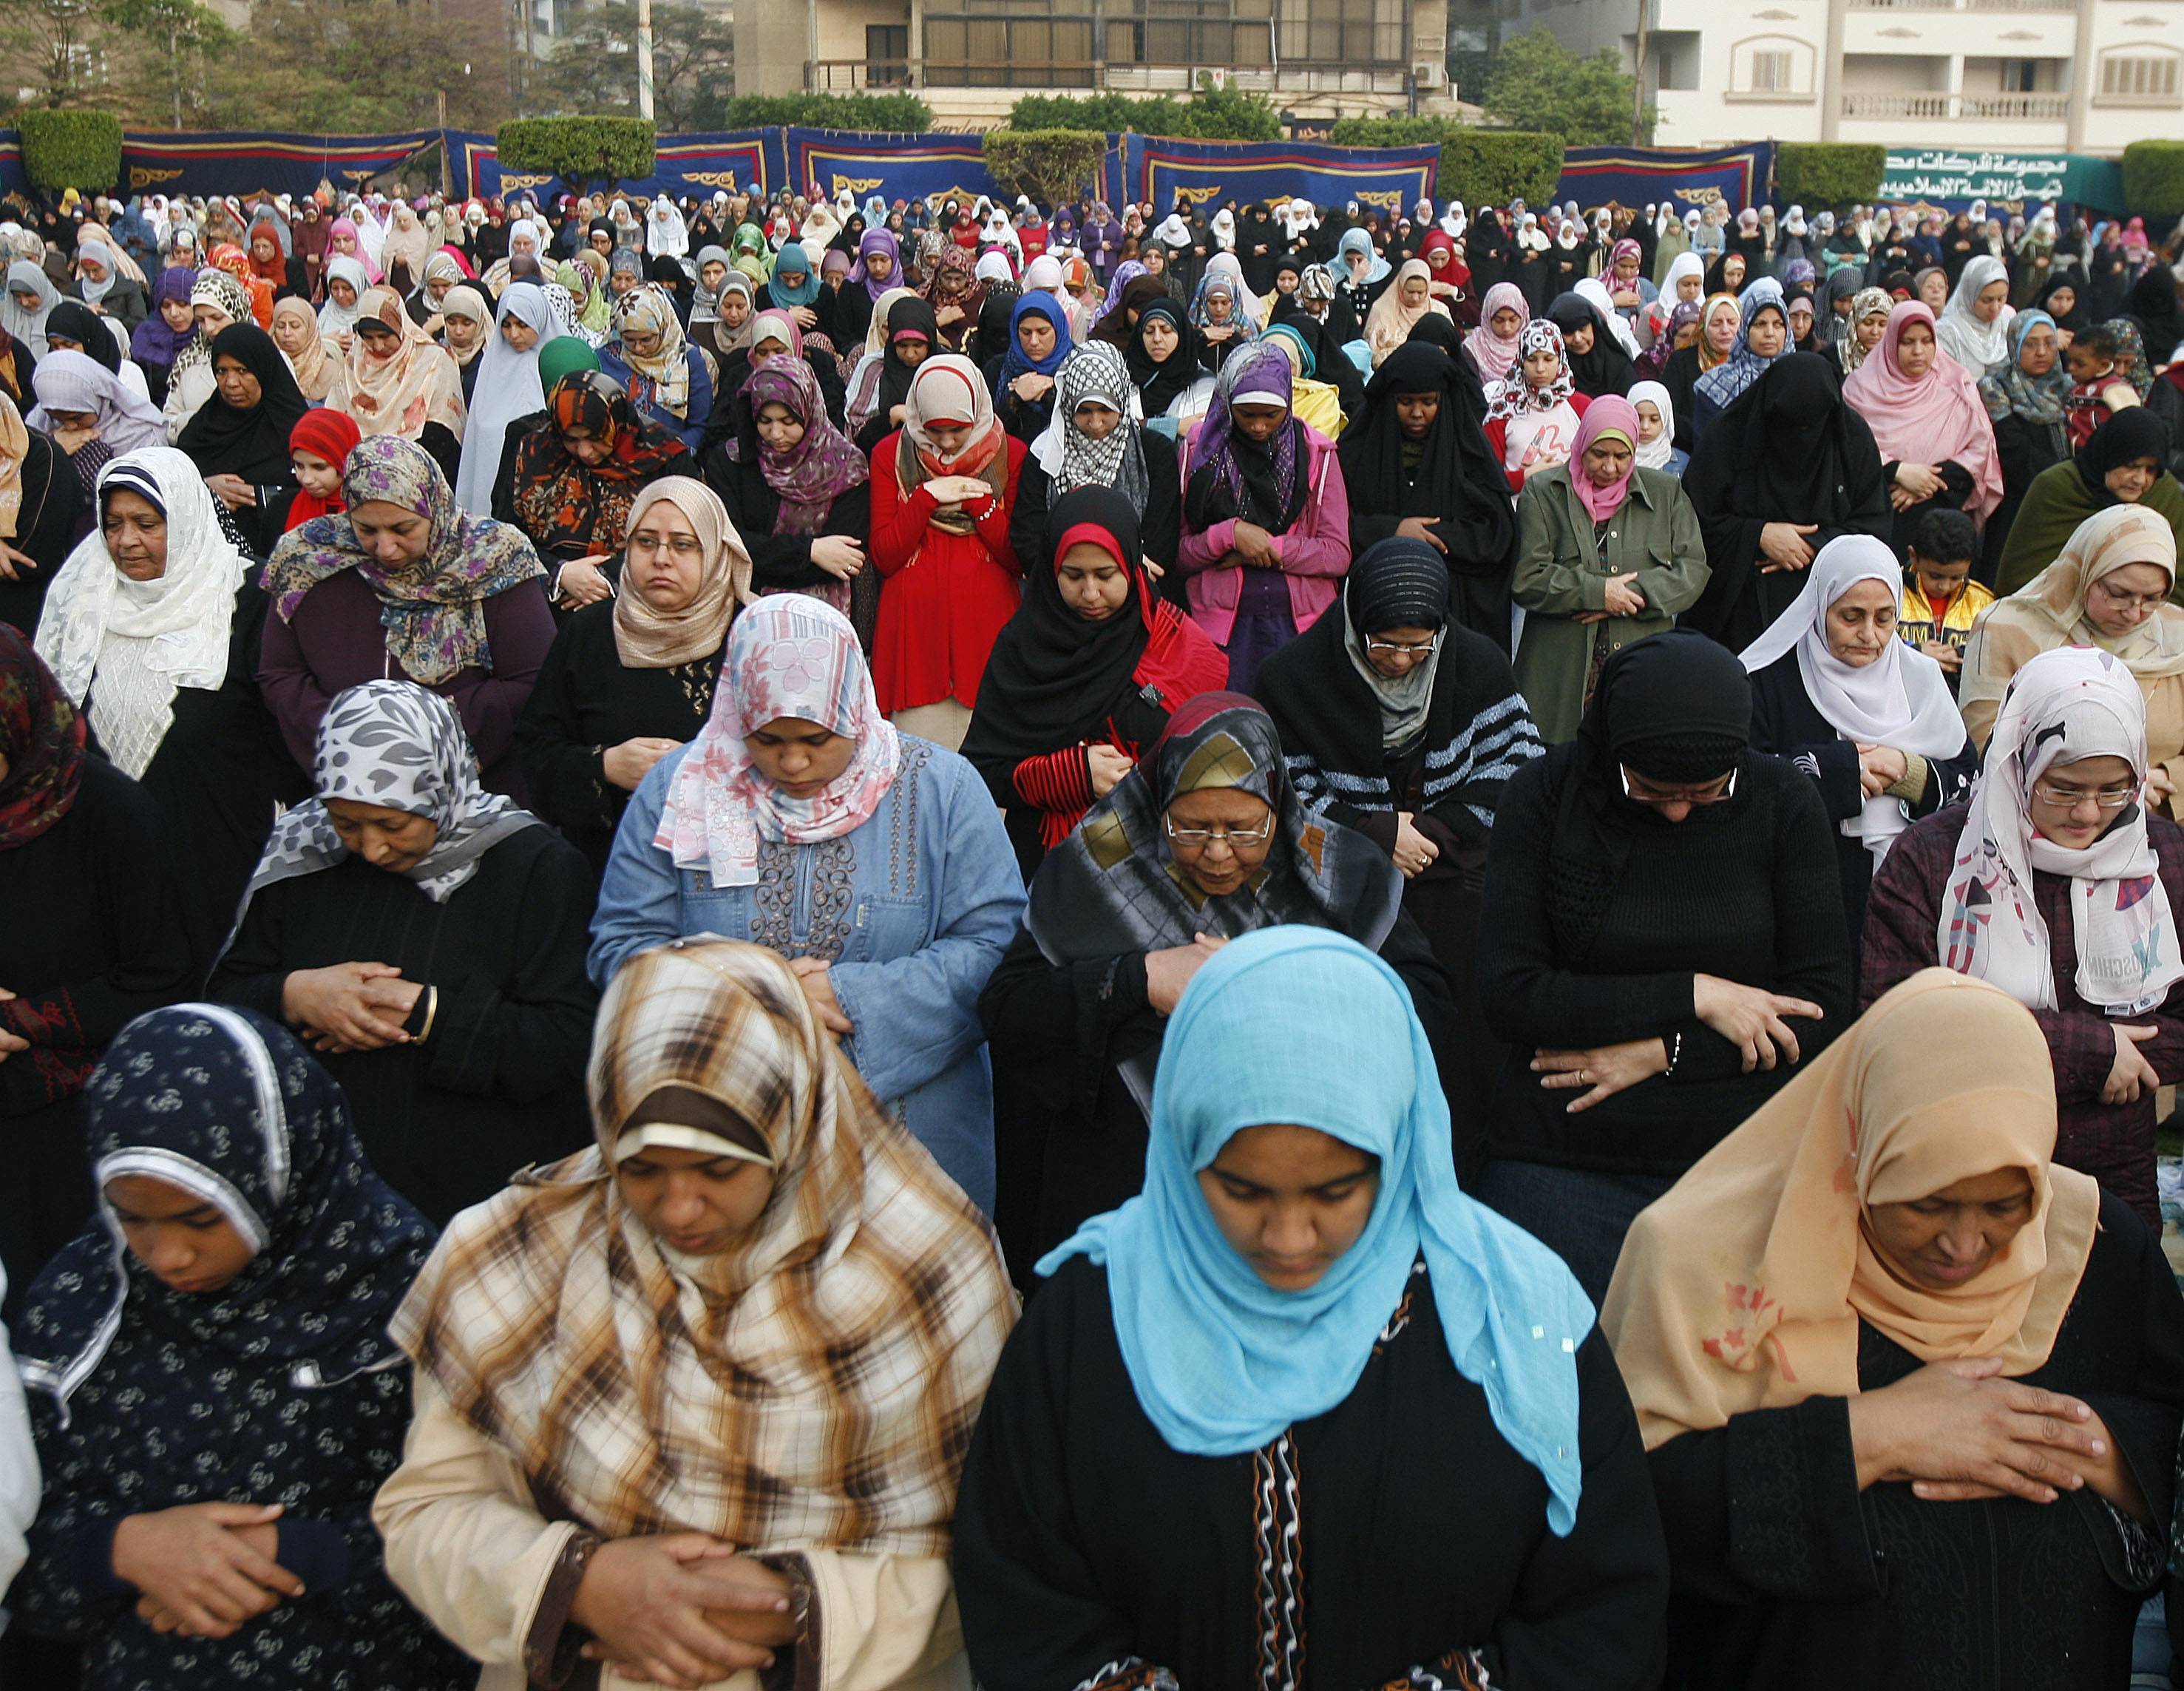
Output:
(759, 943)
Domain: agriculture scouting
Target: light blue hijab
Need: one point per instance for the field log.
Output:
(1356, 241)
(793, 256)
(1304, 1026)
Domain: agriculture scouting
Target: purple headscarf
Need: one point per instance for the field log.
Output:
(153, 342)
(879, 240)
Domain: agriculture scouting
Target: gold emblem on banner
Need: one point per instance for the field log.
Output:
(1198, 196)
(1700, 196)
(145, 176)
(514, 184)
(711, 179)
(858, 184)
(1388, 199)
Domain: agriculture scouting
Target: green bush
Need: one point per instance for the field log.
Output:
(580, 149)
(69, 149)
(1835, 175)
(2152, 177)
(1478, 166)
(1052, 165)
(1231, 114)
(873, 113)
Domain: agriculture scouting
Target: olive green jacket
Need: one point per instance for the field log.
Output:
(1560, 571)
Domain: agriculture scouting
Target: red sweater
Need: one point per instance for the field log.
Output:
(944, 597)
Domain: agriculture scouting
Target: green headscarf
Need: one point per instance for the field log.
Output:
(563, 355)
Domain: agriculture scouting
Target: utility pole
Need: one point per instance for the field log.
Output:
(644, 58)
(1638, 93)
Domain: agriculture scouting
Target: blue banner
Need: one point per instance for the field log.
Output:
(1169, 172)
(243, 164)
(893, 166)
(695, 164)
(1637, 176)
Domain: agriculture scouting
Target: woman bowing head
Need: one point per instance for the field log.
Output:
(1085, 678)
(1303, 1344)
(784, 1317)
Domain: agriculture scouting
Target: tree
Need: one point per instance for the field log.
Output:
(175, 38)
(1212, 114)
(873, 113)
(1539, 84)
(585, 150)
(594, 68)
(353, 67)
(1052, 165)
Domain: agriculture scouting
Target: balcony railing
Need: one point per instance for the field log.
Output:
(843, 75)
(2021, 107)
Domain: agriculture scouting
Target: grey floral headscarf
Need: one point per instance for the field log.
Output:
(393, 743)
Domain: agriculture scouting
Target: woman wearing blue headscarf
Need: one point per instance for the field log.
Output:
(795, 286)
(1358, 272)
(1021, 376)
(1763, 336)
(1304, 1389)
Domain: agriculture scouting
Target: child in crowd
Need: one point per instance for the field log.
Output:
(2098, 387)
(1940, 601)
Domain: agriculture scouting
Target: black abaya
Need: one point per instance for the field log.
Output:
(1400, 1527)
(45, 529)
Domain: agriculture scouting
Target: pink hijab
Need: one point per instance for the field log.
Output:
(1491, 356)
(1936, 417)
(1610, 414)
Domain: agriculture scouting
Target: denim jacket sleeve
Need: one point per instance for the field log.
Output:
(916, 1015)
(638, 905)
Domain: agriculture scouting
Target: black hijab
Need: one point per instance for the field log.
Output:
(2154, 301)
(912, 312)
(2081, 314)
(225, 440)
(2130, 434)
(1058, 677)
(1676, 708)
(1787, 451)
(73, 320)
(1158, 384)
(1114, 326)
(1602, 368)
(1455, 477)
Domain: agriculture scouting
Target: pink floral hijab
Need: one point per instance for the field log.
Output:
(787, 656)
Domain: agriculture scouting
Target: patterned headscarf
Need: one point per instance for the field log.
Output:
(820, 468)
(572, 508)
(394, 744)
(787, 656)
(433, 610)
(420, 385)
(1072, 458)
(1743, 366)
(649, 310)
(227, 1106)
(2008, 392)
(1513, 395)
(1868, 302)
(42, 737)
(604, 1364)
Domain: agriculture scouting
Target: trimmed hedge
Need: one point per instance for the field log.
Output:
(1835, 175)
(874, 114)
(580, 149)
(68, 150)
(1211, 113)
(1478, 166)
(2152, 177)
(1052, 165)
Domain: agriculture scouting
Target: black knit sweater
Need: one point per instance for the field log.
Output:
(1746, 890)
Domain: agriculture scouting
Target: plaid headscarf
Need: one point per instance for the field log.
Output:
(812, 1385)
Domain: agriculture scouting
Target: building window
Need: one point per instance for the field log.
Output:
(886, 54)
(984, 48)
(1773, 72)
(2145, 76)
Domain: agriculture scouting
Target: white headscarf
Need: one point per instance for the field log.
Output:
(666, 233)
(28, 327)
(2064, 707)
(1655, 455)
(1901, 698)
(508, 388)
(130, 644)
(1974, 344)
(1455, 220)
(1594, 292)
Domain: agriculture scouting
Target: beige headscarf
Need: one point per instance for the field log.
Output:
(647, 638)
(1743, 1288)
(1388, 323)
(315, 371)
(14, 447)
(2049, 610)
(420, 384)
(812, 1385)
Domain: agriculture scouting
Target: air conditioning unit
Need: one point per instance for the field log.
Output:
(1430, 74)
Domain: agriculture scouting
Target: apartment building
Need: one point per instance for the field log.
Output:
(2014, 75)
(1319, 59)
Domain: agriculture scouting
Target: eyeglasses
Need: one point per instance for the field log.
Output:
(682, 545)
(1727, 793)
(2070, 798)
(1402, 648)
(1231, 837)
